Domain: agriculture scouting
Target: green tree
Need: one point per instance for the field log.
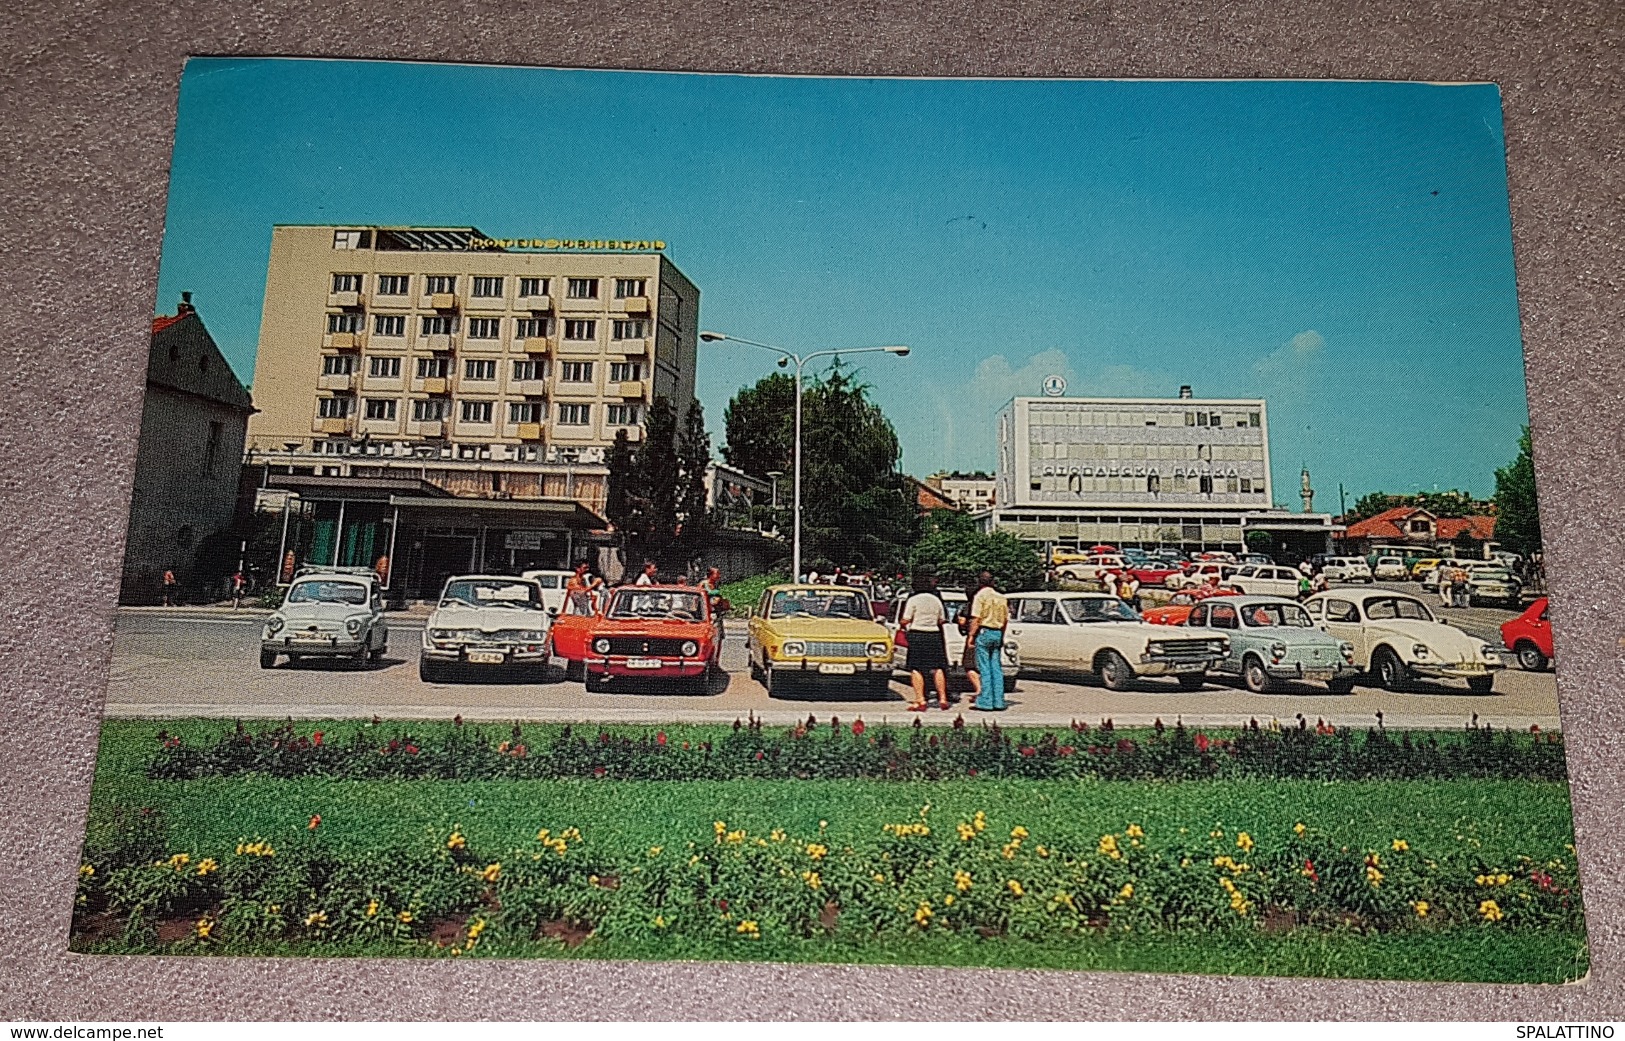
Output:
(1517, 516)
(759, 424)
(959, 552)
(657, 486)
(1452, 503)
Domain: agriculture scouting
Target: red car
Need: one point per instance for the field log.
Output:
(1169, 614)
(1154, 575)
(660, 632)
(1530, 637)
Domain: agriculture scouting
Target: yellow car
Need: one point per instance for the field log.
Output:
(821, 635)
(1420, 569)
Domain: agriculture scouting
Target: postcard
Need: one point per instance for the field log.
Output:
(981, 523)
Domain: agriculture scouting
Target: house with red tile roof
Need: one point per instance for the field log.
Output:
(1420, 529)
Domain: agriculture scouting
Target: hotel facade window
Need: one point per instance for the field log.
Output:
(433, 284)
(580, 329)
(525, 369)
(484, 328)
(487, 286)
(629, 287)
(581, 289)
(532, 328)
(394, 285)
(392, 325)
(476, 412)
(625, 371)
(384, 368)
(344, 323)
(427, 410)
(338, 365)
(480, 369)
(532, 287)
(622, 415)
(575, 372)
(631, 329)
(575, 415)
(438, 325)
(336, 407)
(433, 368)
(527, 411)
(346, 283)
(381, 408)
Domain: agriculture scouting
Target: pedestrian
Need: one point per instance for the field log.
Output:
(712, 580)
(1445, 577)
(812, 576)
(984, 644)
(1306, 568)
(169, 587)
(1306, 586)
(923, 618)
(1461, 586)
(1318, 584)
(648, 575)
(581, 590)
(1128, 589)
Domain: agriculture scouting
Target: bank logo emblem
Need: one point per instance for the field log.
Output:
(1054, 386)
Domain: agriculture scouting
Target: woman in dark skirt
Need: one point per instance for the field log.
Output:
(923, 618)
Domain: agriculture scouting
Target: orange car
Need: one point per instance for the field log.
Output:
(660, 632)
(1171, 614)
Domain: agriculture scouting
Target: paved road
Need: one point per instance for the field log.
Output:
(203, 663)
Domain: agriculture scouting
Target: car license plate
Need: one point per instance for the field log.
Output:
(1472, 666)
(643, 663)
(1190, 666)
(310, 638)
(836, 669)
(486, 657)
(1317, 674)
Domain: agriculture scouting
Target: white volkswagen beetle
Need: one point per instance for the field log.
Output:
(1397, 639)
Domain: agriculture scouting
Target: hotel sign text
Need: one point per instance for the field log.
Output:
(642, 246)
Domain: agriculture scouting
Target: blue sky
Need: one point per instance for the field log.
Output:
(1342, 249)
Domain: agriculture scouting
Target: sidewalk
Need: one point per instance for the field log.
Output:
(224, 609)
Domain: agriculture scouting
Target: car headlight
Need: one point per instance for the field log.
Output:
(1218, 646)
(879, 649)
(274, 624)
(354, 625)
(689, 648)
(1348, 651)
(439, 634)
(793, 649)
(1489, 652)
(1421, 650)
(1277, 650)
(601, 645)
(533, 635)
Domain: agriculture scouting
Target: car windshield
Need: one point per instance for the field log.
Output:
(324, 591)
(819, 603)
(548, 581)
(1495, 574)
(1098, 609)
(491, 592)
(1265, 616)
(657, 603)
(1397, 607)
(1389, 560)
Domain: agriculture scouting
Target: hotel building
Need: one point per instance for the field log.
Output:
(436, 384)
(1187, 472)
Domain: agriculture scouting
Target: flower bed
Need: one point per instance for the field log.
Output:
(832, 750)
(970, 877)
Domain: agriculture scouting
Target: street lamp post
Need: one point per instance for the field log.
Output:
(801, 361)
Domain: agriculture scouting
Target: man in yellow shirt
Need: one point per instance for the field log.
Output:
(984, 644)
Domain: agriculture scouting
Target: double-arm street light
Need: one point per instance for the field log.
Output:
(800, 361)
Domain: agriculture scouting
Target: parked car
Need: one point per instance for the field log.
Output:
(552, 583)
(1529, 636)
(1397, 639)
(1346, 569)
(658, 632)
(1492, 583)
(567, 636)
(1198, 575)
(1153, 572)
(1099, 634)
(953, 634)
(822, 634)
(1421, 568)
(337, 613)
(1092, 567)
(487, 622)
(1390, 569)
(1266, 581)
(1261, 559)
(1167, 614)
(1273, 639)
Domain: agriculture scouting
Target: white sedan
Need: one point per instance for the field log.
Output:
(1261, 580)
(1397, 639)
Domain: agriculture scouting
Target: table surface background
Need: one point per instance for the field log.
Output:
(86, 124)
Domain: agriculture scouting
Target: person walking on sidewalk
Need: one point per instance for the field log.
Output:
(923, 617)
(169, 587)
(989, 615)
(1445, 576)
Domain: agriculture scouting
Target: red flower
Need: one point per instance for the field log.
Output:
(1309, 869)
(457, 720)
(1028, 751)
(685, 746)
(1064, 751)
(722, 905)
(394, 745)
(971, 772)
(519, 751)
(598, 771)
(1125, 745)
(1201, 742)
(660, 738)
(959, 722)
(314, 820)
(1534, 728)
(316, 739)
(857, 728)
(603, 737)
(759, 754)
(411, 749)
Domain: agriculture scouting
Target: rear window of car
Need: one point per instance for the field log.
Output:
(548, 581)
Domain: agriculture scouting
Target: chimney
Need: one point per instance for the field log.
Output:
(1185, 391)
(186, 304)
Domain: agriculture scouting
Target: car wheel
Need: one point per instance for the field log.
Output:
(575, 671)
(1009, 684)
(1344, 685)
(377, 654)
(1257, 679)
(595, 683)
(1191, 682)
(774, 688)
(1116, 672)
(1481, 684)
(430, 672)
(1529, 657)
(755, 669)
(268, 659)
(1389, 670)
(362, 655)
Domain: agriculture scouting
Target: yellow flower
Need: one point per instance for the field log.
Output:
(1299, 829)
(812, 879)
(734, 837)
(966, 832)
(1015, 887)
(719, 827)
(573, 834)
(878, 877)
(372, 908)
(456, 841)
(1043, 852)
(86, 871)
(1018, 832)
(979, 822)
(1502, 879)
(1009, 849)
(491, 872)
(1490, 910)
(1420, 907)
(204, 927)
(962, 881)
(748, 928)
(1108, 846)
(695, 859)
(207, 865)
(1374, 876)
(1244, 842)
(1216, 833)
(654, 851)
(1401, 846)
(659, 921)
(922, 914)
(541, 836)
(816, 850)
(405, 916)
(1127, 892)
(777, 834)
(316, 920)
(475, 927)
(273, 909)
(948, 901)
(1135, 831)
(178, 862)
